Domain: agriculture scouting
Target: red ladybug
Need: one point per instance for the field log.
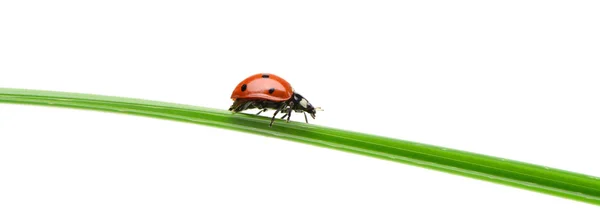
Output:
(267, 91)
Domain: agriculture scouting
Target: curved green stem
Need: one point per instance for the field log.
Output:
(518, 174)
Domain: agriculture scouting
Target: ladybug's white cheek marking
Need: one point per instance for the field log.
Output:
(303, 103)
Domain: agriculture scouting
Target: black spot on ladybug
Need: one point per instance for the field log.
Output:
(244, 87)
(265, 75)
(271, 90)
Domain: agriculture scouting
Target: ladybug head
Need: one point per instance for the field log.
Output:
(301, 104)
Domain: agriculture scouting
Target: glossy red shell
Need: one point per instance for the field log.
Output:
(257, 86)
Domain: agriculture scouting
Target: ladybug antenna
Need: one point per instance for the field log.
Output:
(319, 109)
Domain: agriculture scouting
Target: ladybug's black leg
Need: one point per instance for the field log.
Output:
(275, 114)
(305, 118)
(289, 114)
(234, 107)
(289, 110)
(246, 105)
(261, 111)
(240, 105)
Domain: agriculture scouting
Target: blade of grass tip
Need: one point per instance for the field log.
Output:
(536, 178)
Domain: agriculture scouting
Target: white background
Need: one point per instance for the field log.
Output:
(514, 79)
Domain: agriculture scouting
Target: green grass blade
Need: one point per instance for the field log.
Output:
(518, 174)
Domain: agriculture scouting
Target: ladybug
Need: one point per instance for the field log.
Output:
(268, 91)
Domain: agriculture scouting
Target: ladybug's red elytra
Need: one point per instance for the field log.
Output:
(268, 91)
